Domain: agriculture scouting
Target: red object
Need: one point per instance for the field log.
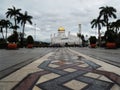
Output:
(111, 45)
(92, 45)
(30, 46)
(12, 45)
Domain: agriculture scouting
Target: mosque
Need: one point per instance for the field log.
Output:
(63, 40)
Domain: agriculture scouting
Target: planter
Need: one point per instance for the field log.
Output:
(30, 46)
(93, 45)
(111, 45)
(12, 46)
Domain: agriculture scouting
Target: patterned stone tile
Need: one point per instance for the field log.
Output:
(61, 62)
(47, 77)
(36, 88)
(79, 61)
(101, 68)
(92, 75)
(104, 79)
(68, 62)
(54, 61)
(61, 72)
(84, 65)
(70, 70)
(112, 76)
(7, 85)
(95, 84)
(75, 85)
(115, 87)
(16, 76)
(53, 65)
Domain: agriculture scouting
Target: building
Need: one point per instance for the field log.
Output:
(63, 40)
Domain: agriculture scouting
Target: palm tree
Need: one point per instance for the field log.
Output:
(14, 27)
(106, 13)
(13, 12)
(24, 18)
(7, 24)
(115, 26)
(97, 23)
(2, 25)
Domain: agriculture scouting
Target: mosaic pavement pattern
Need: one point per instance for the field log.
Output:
(67, 71)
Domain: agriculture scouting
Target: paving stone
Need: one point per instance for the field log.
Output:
(115, 87)
(53, 65)
(92, 75)
(63, 70)
(95, 84)
(70, 70)
(47, 77)
(84, 65)
(36, 88)
(105, 79)
(7, 85)
(75, 85)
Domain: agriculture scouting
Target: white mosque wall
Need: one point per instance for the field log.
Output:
(62, 39)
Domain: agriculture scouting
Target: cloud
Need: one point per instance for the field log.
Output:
(49, 15)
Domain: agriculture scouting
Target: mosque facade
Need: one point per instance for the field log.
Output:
(62, 39)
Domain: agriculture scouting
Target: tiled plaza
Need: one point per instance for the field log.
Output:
(64, 69)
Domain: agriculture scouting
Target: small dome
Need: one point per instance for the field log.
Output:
(61, 29)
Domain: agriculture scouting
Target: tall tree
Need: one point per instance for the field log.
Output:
(13, 12)
(1, 28)
(97, 23)
(115, 26)
(7, 24)
(106, 13)
(14, 27)
(23, 19)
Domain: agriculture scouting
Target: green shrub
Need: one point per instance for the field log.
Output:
(3, 43)
(92, 40)
(13, 38)
(30, 40)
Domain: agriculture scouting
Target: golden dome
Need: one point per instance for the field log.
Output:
(61, 29)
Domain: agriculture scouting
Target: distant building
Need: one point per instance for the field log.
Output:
(62, 40)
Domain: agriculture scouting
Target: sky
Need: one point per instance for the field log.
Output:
(49, 15)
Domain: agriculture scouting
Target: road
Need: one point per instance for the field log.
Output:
(111, 56)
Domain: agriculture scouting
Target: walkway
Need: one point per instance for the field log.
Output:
(64, 69)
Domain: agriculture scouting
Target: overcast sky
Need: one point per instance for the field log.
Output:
(49, 15)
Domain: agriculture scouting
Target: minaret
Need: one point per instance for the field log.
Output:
(51, 38)
(79, 28)
(68, 33)
(79, 32)
(54, 34)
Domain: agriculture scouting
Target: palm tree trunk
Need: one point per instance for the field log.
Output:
(22, 37)
(2, 32)
(15, 22)
(99, 37)
(23, 30)
(6, 33)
